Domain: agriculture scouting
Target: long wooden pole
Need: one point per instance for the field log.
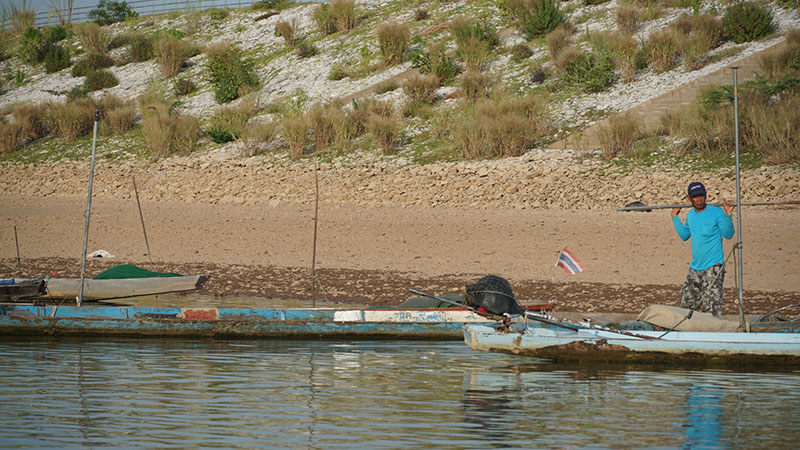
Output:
(738, 199)
(79, 300)
(19, 261)
(314, 248)
(688, 205)
(141, 217)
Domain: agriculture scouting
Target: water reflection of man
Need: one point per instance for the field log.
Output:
(703, 416)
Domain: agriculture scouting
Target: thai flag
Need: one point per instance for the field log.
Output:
(569, 262)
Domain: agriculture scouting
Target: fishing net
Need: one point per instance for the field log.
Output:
(493, 294)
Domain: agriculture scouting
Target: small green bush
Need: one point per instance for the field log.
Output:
(393, 40)
(183, 86)
(33, 46)
(521, 52)
(217, 15)
(747, 21)
(338, 72)
(228, 124)
(108, 12)
(306, 49)
(421, 14)
(436, 61)
(57, 33)
(594, 72)
(231, 75)
(535, 17)
(57, 58)
(100, 79)
(90, 63)
(140, 48)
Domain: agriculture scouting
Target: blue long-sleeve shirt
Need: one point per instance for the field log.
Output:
(706, 228)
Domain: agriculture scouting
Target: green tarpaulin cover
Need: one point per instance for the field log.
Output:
(131, 271)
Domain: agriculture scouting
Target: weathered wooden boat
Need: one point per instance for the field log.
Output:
(300, 323)
(124, 281)
(123, 287)
(602, 345)
(12, 290)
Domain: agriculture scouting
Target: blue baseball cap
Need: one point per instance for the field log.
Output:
(696, 189)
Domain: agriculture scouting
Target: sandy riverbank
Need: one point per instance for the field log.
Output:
(374, 254)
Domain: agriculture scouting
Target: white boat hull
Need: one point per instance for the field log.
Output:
(589, 344)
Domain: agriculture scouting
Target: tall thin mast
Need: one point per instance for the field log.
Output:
(738, 197)
(79, 300)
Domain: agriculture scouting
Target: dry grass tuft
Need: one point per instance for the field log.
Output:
(393, 39)
(93, 37)
(171, 54)
(71, 119)
(621, 134)
(257, 135)
(421, 89)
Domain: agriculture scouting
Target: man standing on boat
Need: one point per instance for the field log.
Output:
(706, 225)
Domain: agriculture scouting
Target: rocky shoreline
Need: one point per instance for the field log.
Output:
(538, 179)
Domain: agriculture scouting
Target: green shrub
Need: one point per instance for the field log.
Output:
(436, 61)
(306, 49)
(140, 48)
(421, 14)
(421, 89)
(171, 54)
(33, 46)
(747, 21)
(108, 12)
(464, 29)
(338, 71)
(100, 79)
(535, 17)
(620, 135)
(231, 75)
(93, 38)
(393, 40)
(183, 86)
(57, 33)
(57, 58)
(594, 72)
(521, 52)
(217, 15)
(90, 63)
(228, 124)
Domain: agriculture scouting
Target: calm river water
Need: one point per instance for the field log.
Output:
(390, 394)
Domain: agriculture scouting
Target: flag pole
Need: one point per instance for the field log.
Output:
(738, 199)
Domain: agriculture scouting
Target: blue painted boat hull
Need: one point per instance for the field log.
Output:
(308, 323)
(598, 345)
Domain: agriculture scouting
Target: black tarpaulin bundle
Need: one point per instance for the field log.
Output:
(493, 294)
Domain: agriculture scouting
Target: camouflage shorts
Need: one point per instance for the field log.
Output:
(702, 290)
